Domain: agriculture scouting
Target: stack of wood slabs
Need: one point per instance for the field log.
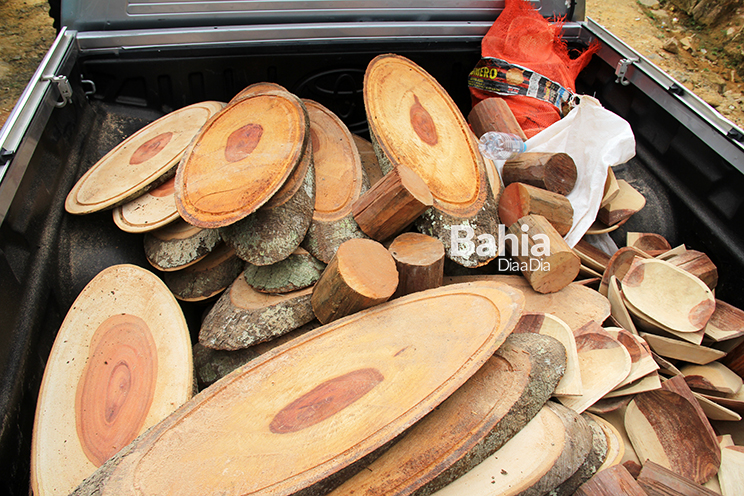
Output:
(141, 162)
(414, 122)
(153, 210)
(321, 402)
(120, 364)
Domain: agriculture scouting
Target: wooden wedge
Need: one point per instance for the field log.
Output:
(698, 264)
(319, 403)
(591, 256)
(340, 181)
(604, 363)
(413, 121)
(727, 322)
(649, 382)
(627, 202)
(271, 233)
(618, 266)
(666, 428)
(546, 452)
(550, 325)
(611, 188)
(714, 410)
(178, 245)
(618, 309)
(141, 162)
(479, 418)
(243, 317)
(682, 350)
(713, 376)
(298, 271)
(148, 212)
(611, 482)
(651, 243)
(121, 362)
(731, 473)
(642, 363)
(236, 164)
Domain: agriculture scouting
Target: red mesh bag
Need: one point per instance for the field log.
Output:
(522, 37)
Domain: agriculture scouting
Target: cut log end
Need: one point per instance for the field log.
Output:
(420, 262)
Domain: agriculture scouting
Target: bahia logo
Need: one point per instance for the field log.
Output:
(463, 245)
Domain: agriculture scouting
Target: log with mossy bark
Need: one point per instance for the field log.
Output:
(206, 278)
(414, 122)
(298, 271)
(178, 245)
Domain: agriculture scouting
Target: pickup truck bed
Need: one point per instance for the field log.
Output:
(689, 160)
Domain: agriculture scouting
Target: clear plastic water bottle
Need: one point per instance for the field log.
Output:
(501, 146)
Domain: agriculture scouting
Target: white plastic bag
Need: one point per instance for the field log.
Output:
(595, 138)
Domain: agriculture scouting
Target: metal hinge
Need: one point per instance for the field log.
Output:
(64, 88)
(622, 69)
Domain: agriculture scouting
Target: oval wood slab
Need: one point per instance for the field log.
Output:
(121, 362)
(140, 162)
(550, 325)
(255, 88)
(414, 122)
(665, 428)
(604, 363)
(241, 158)
(340, 180)
(618, 266)
(178, 245)
(151, 211)
(305, 410)
(474, 422)
(668, 295)
(541, 456)
(682, 350)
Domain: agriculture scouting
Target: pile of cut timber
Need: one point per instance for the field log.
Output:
(361, 334)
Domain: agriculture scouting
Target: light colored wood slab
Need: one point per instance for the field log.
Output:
(255, 88)
(413, 121)
(236, 164)
(271, 233)
(652, 243)
(178, 245)
(611, 188)
(713, 376)
(650, 382)
(660, 481)
(304, 411)
(141, 162)
(668, 295)
(642, 363)
(731, 473)
(611, 482)
(649, 325)
(698, 264)
(575, 304)
(604, 364)
(206, 278)
(714, 411)
(482, 415)
(120, 363)
(617, 306)
(298, 271)
(727, 322)
(607, 405)
(616, 418)
(734, 402)
(627, 202)
(550, 325)
(557, 438)
(340, 181)
(591, 256)
(151, 211)
(244, 317)
(681, 350)
(665, 428)
(598, 227)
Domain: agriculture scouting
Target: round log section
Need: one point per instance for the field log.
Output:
(419, 260)
(554, 172)
(340, 180)
(206, 278)
(392, 204)
(362, 274)
(141, 162)
(241, 158)
(275, 230)
(414, 122)
(519, 200)
(121, 362)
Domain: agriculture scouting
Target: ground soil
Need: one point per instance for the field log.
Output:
(708, 60)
